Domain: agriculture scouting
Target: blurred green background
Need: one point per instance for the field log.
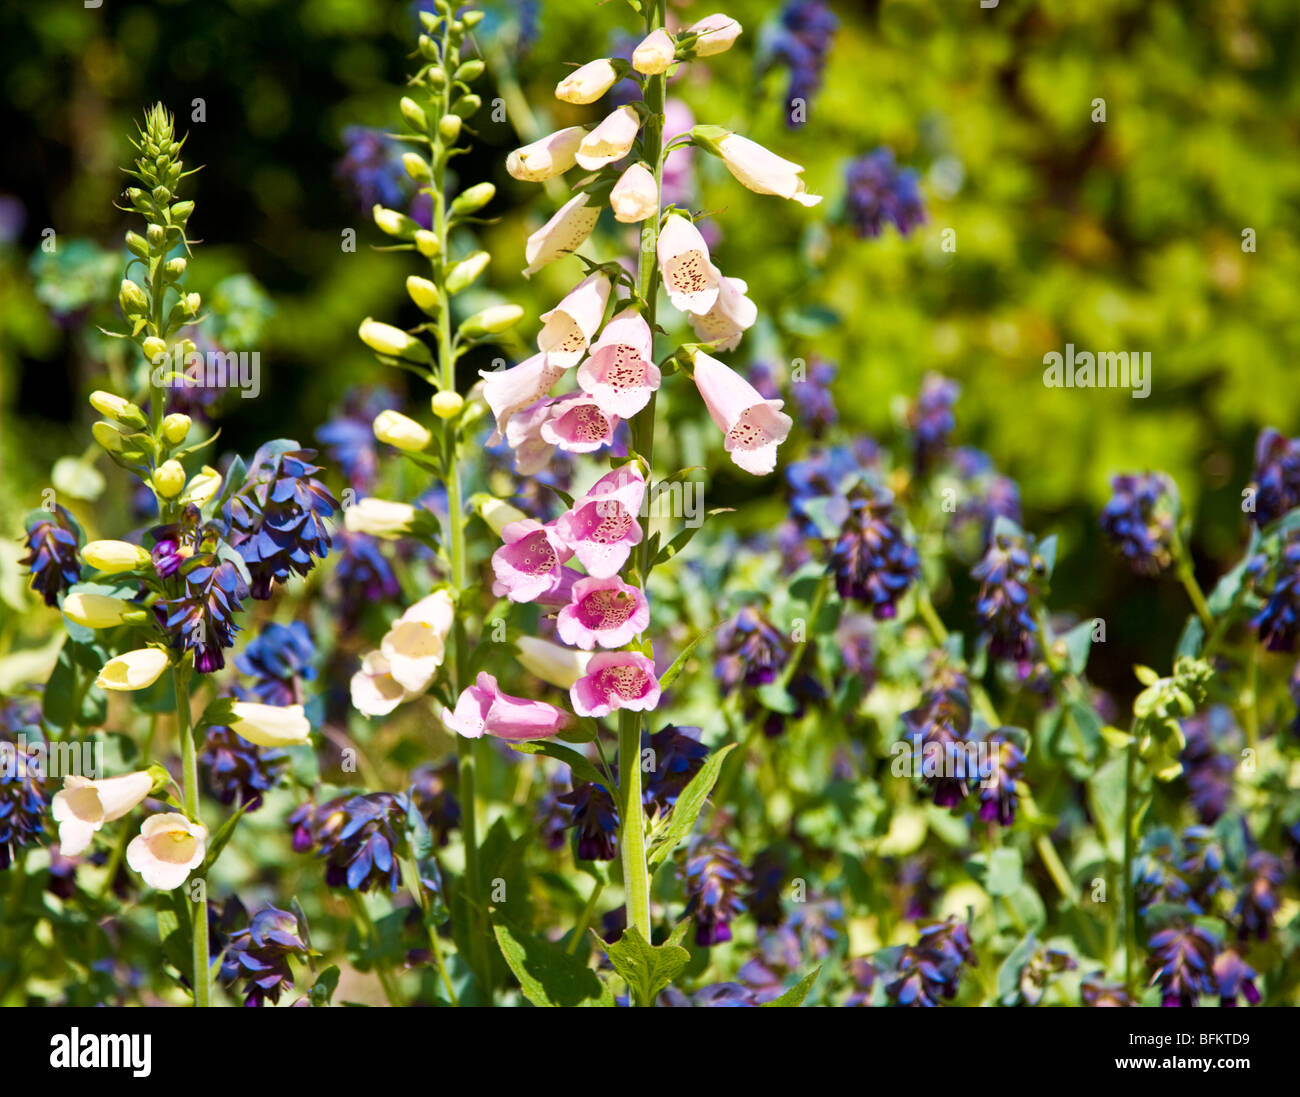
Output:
(1122, 234)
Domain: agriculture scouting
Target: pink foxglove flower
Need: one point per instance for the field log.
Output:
(602, 527)
(552, 155)
(690, 279)
(507, 391)
(527, 566)
(635, 196)
(524, 436)
(483, 709)
(562, 235)
(717, 34)
(732, 314)
(753, 427)
(611, 140)
(619, 374)
(755, 167)
(576, 424)
(608, 612)
(569, 327)
(615, 680)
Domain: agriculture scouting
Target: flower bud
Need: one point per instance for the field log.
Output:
(137, 245)
(414, 115)
(379, 518)
(394, 342)
(449, 127)
(428, 244)
(134, 670)
(467, 106)
(471, 19)
(587, 84)
(181, 212)
(114, 557)
(470, 70)
(96, 610)
(132, 298)
(447, 404)
(404, 433)
(176, 428)
(424, 293)
(192, 303)
(202, 487)
(551, 663)
(428, 48)
(392, 222)
(270, 725)
(112, 406)
(463, 273)
(716, 33)
(655, 53)
(152, 347)
(635, 196)
(496, 512)
(107, 435)
(416, 167)
(491, 321)
(156, 235)
(473, 199)
(175, 267)
(169, 479)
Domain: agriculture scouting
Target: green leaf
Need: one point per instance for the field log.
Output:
(775, 698)
(1078, 643)
(580, 766)
(1000, 872)
(679, 664)
(326, 984)
(170, 911)
(678, 823)
(1012, 966)
(646, 968)
(797, 993)
(547, 974)
(683, 538)
(224, 833)
(1189, 643)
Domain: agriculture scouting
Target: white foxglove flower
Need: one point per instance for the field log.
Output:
(168, 848)
(82, 806)
(562, 235)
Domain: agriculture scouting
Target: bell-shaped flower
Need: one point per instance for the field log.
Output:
(576, 424)
(752, 427)
(528, 565)
(635, 196)
(755, 167)
(619, 374)
(588, 83)
(689, 278)
(616, 680)
(483, 709)
(167, 849)
(82, 806)
(552, 155)
(375, 692)
(507, 391)
(568, 328)
(114, 557)
(611, 140)
(716, 32)
(604, 612)
(133, 670)
(524, 436)
(602, 527)
(562, 235)
(97, 610)
(732, 314)
(381, 518)
(655, 53)
(270, 725)
(552, 663)
(416, 643)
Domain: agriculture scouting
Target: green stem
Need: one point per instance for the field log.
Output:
(367, 925)
(190, 788)
(1130, 912)
(580, 930)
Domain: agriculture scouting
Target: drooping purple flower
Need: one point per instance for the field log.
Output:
(856, 638)
(872, 561)
(1234, 978)
(1182, 964)
(862, 978)
(1045, 963)
(237, 771)
(1258, 902)
(998, 788)
(1208, 769)
(931, 420)
(1201, 866)
(362, 576)
(433, 792)
(767, 874)
(1278, 622)
(1139, 520)
(360, 840)
(1155, 876)
(713, 878)
(940, 728)
(371, 167)
(878, 192)
(984, 497)
(258, 956)
(24, 799)
(1008, 575)
(813, 399)
(553, 818)
(277, 518)
(1096, 992)
(802, 43)
(713, 995)
(202, 617)
(1276, 482)
(930, 971)
(751, 652)
(52, 558)
(678, 756)
(595, 816)
(279, 662)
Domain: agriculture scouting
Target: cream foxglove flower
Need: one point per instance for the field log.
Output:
(417, 642)
(82, 806)
(690, 279)
(717, 33)
(379, 518)
(552, 663)
(113, 557)
(400, 431)
(97, 610)
(270, 725)
(755, 167)
(168, 848)
(203, 486)
(635, 196)
(568, 328)
(752, 427)
(611, 140)
(588, 83)
(732, 314)
(553, 155)
(133, 670)
(655, 54)
(562, 235)
(375, 692)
